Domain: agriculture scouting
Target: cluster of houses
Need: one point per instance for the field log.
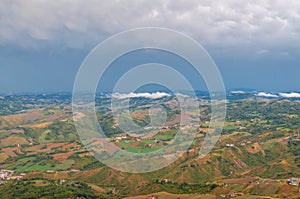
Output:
(244, 143)
(232, 194)
(9, 175)
(120, 137)
(123, 136)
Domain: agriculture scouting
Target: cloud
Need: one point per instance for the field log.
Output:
(83, 24)
(156, 95)
(290, 95)
(237, 92)
(263, 94)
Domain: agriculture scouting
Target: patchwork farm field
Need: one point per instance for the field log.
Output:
(255, 155)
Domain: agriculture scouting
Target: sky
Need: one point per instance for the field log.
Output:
(255, 44)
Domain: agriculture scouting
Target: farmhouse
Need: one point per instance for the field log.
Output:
(75, 170)
(293, 181)
(230, 145)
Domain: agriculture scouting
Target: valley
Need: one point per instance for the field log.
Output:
(255, 155)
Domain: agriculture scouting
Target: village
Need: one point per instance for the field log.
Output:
(10, 175)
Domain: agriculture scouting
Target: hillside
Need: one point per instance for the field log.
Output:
(257, 152)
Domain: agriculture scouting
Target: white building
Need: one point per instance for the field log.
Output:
(295, 181)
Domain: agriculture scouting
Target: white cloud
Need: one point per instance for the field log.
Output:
(81, 24)
(156, 95)
(290, 95)
(237, 92)
(263, 94)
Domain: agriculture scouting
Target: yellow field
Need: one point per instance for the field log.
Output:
(3, 157)
(12, 141)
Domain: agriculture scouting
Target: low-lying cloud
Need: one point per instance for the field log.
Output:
(238, 92)
(263, 94)
(290, 95)
(156, 95)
